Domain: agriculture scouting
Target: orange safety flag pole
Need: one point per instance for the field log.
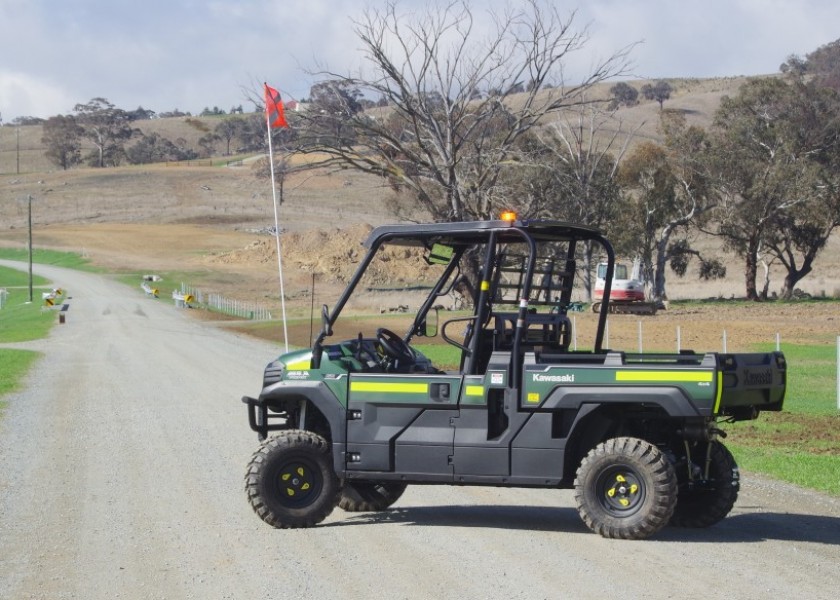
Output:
(274, 108)
(274, 117)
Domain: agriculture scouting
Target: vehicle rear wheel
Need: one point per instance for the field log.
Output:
(625, 488)
(703, 501)
(290, 480)
(369, 496)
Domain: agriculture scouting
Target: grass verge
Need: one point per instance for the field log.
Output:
(14, 278)
(21, 322)
(800, 468)
(70, 260)
(16, 364)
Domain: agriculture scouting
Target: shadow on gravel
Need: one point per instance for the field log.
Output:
(735, 529)
(531, 518)
(759, 527)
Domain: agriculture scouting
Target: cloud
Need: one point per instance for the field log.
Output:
(40, 97)
(190, 54)
(714, 38)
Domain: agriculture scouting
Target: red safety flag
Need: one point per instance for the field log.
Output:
(274, 108)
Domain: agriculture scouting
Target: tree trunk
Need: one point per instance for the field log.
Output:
(587, 271)
(751, 270)
(792, 277)
(661, 262)
(766, 289)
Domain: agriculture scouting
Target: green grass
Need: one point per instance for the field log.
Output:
(800, 468)
(15, 365)
(70, 260)
(21, 322)
(444, 357)
(812, 378)
(13, 278)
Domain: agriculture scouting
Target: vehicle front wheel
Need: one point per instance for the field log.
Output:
(625, 488)
(706, 497)
(369, 496)
(290, 480)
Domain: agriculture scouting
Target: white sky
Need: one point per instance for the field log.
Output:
(191, 54)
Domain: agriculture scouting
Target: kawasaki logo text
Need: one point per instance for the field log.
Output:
(554, 378)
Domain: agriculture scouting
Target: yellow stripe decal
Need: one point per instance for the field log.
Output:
(398, 388)
(485, 286)
(533, 397)
(475, 390)
(661, 376)
(719, 393)
(301, 365)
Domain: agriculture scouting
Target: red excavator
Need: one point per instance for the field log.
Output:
(627, 295)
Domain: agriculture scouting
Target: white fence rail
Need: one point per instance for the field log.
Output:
(228, 306)
(4, 297)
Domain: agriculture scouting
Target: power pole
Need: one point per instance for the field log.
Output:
(30, 247)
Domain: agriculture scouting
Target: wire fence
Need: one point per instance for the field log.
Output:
(228, 306)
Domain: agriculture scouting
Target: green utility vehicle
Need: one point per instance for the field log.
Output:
(635, 435)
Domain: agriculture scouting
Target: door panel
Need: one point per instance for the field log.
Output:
(402, 422)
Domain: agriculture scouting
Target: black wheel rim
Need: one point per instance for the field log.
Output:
(620, 491)
(299, 483)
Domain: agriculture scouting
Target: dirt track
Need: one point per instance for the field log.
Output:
(121, 477)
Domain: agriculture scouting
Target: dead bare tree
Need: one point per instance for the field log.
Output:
(581, 151)
(456, 104)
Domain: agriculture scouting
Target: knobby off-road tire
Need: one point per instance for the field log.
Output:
(367, 496)
(707, 501)
(290, 480)
(625, 488)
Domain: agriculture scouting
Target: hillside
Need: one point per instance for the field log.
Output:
(209, 222)
(21, 149)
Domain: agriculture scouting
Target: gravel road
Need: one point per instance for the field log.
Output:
(121, 469)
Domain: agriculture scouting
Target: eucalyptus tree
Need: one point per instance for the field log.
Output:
(107, 127)
(778, 143)
(62, 137)
(670, 192)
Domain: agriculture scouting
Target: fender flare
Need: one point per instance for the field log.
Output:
(672, 399)
(315, 392)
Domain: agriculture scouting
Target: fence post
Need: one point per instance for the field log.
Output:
(640, 338)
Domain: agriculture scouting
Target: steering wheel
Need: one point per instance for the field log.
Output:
(394, 346)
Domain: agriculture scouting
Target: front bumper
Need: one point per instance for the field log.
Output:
(259, 418)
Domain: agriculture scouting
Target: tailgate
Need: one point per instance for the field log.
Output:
(751, 383)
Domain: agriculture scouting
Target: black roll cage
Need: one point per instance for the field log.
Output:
(461, 236)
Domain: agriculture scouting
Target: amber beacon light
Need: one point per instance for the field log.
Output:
(508, 216)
